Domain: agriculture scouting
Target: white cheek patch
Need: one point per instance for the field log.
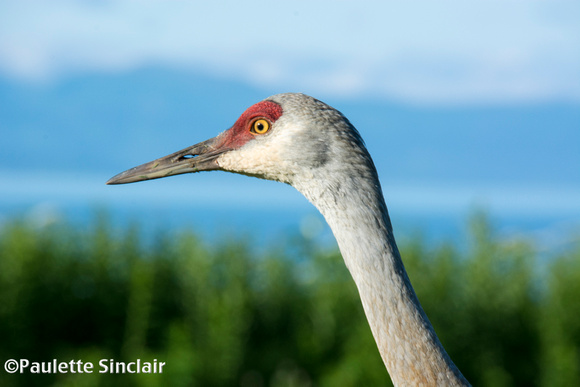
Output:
(259, 159)
(272, 156)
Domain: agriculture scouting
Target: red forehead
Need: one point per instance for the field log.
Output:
(270, 110)
(239, 134)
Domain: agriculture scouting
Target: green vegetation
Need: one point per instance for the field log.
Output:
(222, 316)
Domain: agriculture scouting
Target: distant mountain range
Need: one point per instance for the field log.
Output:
(106, 122)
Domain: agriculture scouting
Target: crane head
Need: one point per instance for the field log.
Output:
(280, 138)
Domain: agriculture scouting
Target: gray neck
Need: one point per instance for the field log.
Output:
(357, 214)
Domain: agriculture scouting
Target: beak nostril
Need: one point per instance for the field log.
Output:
(198, 157)
(185, 157)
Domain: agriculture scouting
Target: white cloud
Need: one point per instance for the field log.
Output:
(422, 51)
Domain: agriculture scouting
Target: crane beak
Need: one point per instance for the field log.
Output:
(196, 158)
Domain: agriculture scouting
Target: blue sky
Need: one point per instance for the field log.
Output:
(462, 104)
(443, 52)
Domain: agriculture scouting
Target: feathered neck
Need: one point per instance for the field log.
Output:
(356, 212)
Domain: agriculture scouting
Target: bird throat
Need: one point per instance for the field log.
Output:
(356, 212)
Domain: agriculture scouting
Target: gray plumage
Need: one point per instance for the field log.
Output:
(314, 148)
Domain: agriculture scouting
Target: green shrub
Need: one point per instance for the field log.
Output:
(225, 316)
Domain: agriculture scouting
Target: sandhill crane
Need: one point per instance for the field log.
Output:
(301, 141)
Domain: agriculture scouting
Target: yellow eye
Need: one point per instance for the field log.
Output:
(260, 126)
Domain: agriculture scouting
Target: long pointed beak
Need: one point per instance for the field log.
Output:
(196, 158)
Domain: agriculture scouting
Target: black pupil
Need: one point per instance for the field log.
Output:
(260, 126)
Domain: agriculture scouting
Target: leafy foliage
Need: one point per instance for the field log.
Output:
(222, 316)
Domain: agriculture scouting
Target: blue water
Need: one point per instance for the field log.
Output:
(272, 226)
